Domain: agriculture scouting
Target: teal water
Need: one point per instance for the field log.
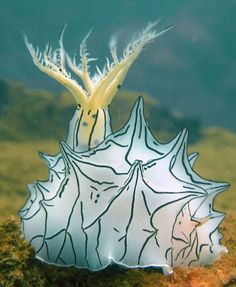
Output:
(191, 69)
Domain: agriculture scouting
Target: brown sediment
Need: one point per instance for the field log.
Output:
(18, 267)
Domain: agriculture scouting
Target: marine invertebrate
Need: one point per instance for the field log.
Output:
(118, 197)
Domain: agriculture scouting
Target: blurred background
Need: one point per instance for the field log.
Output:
(187, 77)
(190, 70)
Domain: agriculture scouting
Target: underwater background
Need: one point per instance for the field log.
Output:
(191, 69)
(187, 78)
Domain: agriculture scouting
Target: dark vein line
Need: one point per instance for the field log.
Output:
(92, 130)
(98, 236)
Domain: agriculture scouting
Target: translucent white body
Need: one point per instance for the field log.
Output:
(130, 200)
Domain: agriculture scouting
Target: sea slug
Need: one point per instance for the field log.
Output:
(120, 197)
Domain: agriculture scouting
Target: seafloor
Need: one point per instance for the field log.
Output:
(19, 164)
